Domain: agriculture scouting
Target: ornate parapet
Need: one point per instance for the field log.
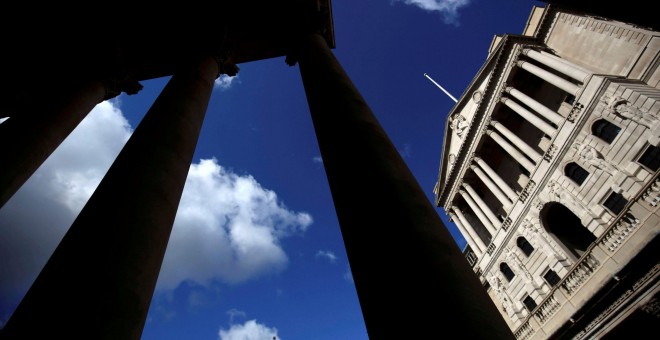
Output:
(525, 331)
(547, 309)
(652, 194)
(580, 273)
(619, 232)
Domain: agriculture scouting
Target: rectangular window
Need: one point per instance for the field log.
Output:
(551, 278)
(530, 304)
(615, 202)
(650, 158)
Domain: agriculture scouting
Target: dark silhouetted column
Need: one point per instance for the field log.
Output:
(411, 278)
(30, 137)
(99, 282)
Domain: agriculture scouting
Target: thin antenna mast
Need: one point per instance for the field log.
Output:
(443, 90)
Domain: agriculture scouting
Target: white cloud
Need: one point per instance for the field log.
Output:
(448, 8)
(327, 255)
(250, 330)
(228, 228)
(224, 81)
(317, 159)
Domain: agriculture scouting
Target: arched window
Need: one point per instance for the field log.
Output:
(525, 246)
(576, 173)
(605, 130)
(508, 273)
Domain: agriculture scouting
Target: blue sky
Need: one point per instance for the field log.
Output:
(256, 249)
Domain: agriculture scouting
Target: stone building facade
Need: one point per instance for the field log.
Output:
(550, 170)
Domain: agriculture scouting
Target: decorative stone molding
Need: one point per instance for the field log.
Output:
(587, 154)
(537, 204)
(561, 195)
(477, 96)
(550, 153)
(491, 248)
(506, 224)
(575, 112)
(622, 107)
(459, 124)
(500, 290)
(524, 195)
(513, 258)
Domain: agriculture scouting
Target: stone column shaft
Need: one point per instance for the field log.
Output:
(484, 207)
(387, 222)
(543, 110)
(549, 77)
(32, 136)
(477, 211)
(530, 117)
(469, 232)
(500, 182)
(100, 279)
(473, 245)
(511, 150)
(558, 64)
(493, 188)
(519, 143)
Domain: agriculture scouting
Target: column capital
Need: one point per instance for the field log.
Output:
(118, 82)
(226, 64)
(508, 88)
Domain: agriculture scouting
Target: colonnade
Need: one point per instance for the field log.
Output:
(551, 69)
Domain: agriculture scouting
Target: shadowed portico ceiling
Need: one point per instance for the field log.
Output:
(43, 49)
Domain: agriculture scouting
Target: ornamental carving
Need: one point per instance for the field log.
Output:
(622, 107)
(559, 194)
(477, 96)
(500, 290)
(587, 154)
(459, 124)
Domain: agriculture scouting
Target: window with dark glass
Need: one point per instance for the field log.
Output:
(525, 246)
(605, 130)
(530, 304)
(576, 173)
(650, 158)
(508, 273)
(615, 202)
(551, 278)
